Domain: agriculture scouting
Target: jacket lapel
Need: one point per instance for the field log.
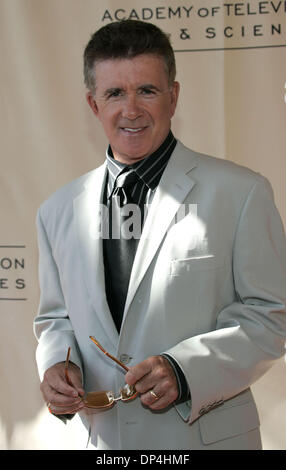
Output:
(174, 186)
(87, 211)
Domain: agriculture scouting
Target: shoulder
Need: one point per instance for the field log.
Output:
(62, 199)
(221, 172)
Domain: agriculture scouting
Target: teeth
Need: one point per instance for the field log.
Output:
(129, 129)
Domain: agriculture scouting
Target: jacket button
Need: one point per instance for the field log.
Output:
(125, 358)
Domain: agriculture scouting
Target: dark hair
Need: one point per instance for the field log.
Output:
(127, 39)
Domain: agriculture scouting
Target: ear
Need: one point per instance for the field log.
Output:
(92, 103)
(175, 90)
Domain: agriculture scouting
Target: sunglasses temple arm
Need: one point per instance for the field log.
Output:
(109, 355)
(66, 368)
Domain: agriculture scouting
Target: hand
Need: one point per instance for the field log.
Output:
(156, 375)
(61, 397)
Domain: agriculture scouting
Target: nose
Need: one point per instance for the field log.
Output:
(131, 108)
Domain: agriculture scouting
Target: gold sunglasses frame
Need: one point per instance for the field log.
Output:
(112, 399)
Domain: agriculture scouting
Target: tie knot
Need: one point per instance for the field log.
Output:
(126, 179)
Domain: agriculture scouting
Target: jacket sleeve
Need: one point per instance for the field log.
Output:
(52, 326)
(250, 332)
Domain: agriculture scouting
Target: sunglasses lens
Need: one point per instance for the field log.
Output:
(99, 399)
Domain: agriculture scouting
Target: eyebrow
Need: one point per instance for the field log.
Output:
(150, 86)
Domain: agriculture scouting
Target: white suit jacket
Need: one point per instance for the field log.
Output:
(207, 288)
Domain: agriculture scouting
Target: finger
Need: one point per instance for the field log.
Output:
(162, 399)
(166, 398)
(57, 390)
(151, 397)
(137, 372)
(67, 390)
(58, 410)
(159, 388)
(58, 399)
(167, 391)
(55, 377)
(76, 381)
(63, 395)
(151, 372)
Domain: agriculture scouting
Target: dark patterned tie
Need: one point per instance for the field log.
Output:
(120, 247)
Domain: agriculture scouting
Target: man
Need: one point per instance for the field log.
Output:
(192, 305)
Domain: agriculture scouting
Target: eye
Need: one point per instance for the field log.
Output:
(114, 93)
(147, 91)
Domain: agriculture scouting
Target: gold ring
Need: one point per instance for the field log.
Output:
(154, 395)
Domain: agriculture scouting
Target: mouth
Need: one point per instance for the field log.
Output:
(133, 130)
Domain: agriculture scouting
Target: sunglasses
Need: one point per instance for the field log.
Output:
(104, 400)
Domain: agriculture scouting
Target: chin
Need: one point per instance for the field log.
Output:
(133, 154)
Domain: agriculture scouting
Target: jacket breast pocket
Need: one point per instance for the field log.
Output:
(198, 263)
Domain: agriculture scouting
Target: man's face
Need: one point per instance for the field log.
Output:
(135, 104)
